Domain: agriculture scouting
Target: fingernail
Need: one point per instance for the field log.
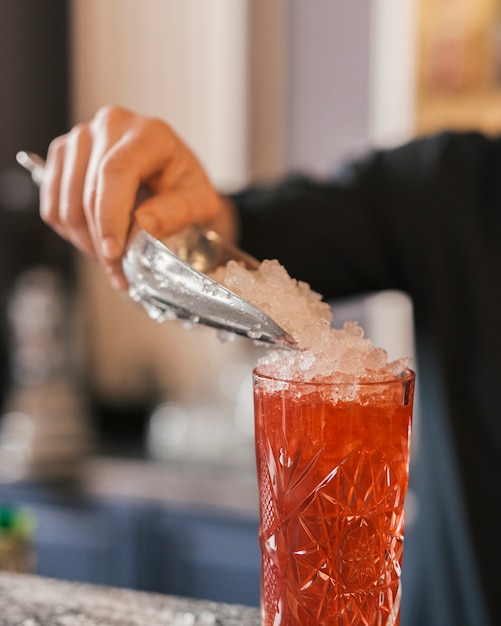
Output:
(110, 248)
(118, 282)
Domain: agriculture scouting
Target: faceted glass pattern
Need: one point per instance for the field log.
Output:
(332, 479)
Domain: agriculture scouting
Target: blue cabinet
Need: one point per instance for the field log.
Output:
(183, 550)
(86, 543)
(212, 555)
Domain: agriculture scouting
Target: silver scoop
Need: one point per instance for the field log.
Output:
(169, 278)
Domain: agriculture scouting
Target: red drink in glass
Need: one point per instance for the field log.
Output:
(332, 462)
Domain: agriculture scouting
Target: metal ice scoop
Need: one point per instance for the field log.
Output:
(170, 279)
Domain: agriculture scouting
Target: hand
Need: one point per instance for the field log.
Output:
(89, 193)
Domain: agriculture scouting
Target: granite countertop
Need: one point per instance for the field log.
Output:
(27, 600)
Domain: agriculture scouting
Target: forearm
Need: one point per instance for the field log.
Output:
(379, 224)
(323, 233)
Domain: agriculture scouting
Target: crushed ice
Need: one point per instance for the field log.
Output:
(325, 353)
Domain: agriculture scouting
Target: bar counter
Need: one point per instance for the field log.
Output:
(29, 600)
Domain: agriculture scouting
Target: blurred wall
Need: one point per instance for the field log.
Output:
(257, 88)
(187, 62)
(328, 82)
(194, 65)
(351, 79)
(182, 60)
(392, 71)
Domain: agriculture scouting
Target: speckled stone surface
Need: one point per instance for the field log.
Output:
(35, 601)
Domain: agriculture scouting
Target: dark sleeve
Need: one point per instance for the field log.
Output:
(370, 226)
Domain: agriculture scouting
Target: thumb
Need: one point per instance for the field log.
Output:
(165, 213)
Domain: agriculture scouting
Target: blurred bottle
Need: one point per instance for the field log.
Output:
(16, 540)
(44, 432)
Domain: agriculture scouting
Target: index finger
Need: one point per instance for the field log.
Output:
(132, 162)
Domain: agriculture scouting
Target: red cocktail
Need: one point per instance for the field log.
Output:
(332, 463)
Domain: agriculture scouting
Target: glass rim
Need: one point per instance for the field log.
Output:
(407, 375)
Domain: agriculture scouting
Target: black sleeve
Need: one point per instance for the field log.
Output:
(370, 226)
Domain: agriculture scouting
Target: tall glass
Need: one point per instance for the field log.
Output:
(333, 466)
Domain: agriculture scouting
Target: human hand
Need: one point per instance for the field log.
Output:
(93, 174)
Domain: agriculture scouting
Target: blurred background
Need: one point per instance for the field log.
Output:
(108, 416)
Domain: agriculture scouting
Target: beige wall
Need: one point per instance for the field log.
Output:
(232, 76)
(392, 71)
(191, 63)
(182, 60)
